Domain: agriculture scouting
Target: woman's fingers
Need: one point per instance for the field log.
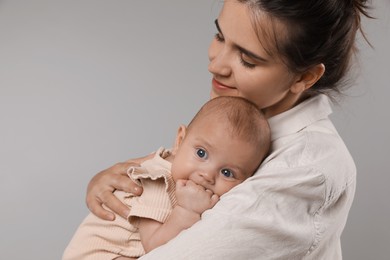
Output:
(114, 204)
(122, 181)
(97, 209)
(101, 187)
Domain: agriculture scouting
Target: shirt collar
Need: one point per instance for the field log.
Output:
(300, 116)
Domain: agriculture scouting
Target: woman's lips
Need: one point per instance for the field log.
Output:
(219, 89)
(218, 85)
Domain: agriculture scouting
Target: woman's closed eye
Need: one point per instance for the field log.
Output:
(218, 36)
(245, 63)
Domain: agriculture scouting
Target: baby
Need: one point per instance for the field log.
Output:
(222, 146)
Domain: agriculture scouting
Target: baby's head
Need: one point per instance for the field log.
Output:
(223, 145)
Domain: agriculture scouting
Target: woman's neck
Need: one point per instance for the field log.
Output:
(288, 102)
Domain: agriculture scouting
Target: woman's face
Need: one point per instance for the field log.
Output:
(242, 67)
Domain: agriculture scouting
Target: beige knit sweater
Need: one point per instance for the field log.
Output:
(99, 239)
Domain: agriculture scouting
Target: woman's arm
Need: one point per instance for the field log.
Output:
(102, 185)
(192, 201)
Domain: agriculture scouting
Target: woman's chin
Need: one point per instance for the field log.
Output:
(213, 94)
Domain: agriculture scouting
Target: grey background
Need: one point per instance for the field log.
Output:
(88, 83)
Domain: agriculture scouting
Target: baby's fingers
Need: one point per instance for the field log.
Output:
(214, 199)
(180, 183)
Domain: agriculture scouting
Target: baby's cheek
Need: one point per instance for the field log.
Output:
(225, 187)
(177, 172)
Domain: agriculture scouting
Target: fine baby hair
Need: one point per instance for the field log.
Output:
(244, 120)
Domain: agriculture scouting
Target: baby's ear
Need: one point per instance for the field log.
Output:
(181, 133)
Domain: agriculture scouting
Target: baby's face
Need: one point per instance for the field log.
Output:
(210, 157)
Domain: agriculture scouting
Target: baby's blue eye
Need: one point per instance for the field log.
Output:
(227, 173)
(201, 153)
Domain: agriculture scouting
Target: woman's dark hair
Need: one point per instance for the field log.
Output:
(315, 32)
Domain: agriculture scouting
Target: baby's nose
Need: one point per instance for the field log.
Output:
(209, 177)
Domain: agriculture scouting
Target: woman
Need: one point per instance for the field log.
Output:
(284, 56)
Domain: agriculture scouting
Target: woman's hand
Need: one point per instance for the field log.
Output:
(102, 185)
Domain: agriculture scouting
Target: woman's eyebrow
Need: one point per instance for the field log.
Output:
(217, 25)
(243, 50)
(251, 54)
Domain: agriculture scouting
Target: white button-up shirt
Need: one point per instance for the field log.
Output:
(294, 207)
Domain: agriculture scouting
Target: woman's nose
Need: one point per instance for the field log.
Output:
(219, 60)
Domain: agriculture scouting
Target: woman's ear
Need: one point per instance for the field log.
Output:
(181, 133)
(308, 78)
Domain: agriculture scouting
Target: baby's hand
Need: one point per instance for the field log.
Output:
(194, 197)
